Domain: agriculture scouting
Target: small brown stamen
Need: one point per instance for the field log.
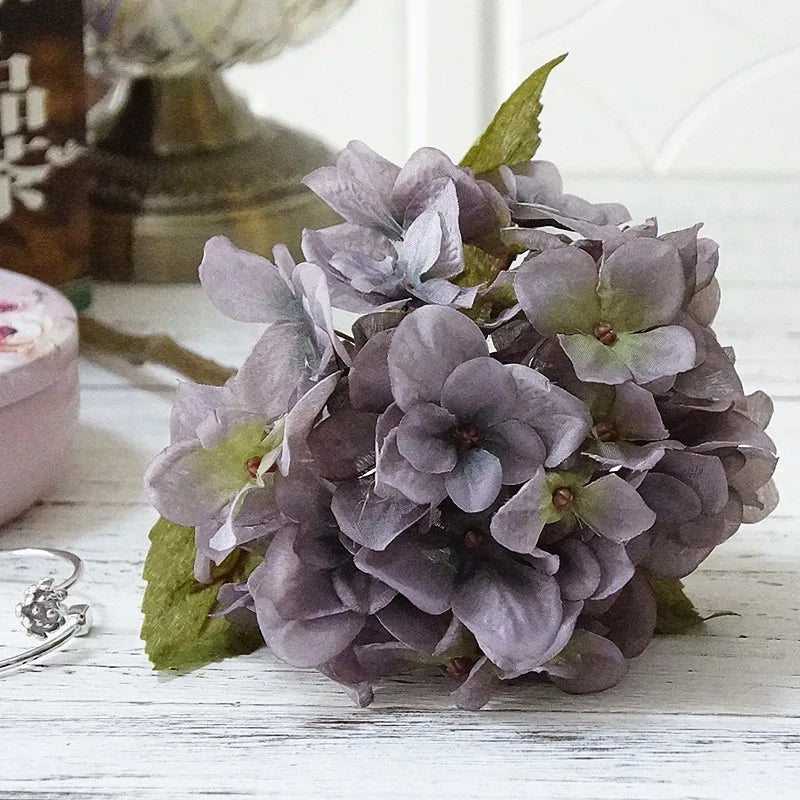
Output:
(605, 334)
(459, 667)
(466, 436)
(606, 431)
(251, 466)
(563, 497)
(474, 539)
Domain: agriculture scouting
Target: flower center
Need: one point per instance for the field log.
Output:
(474, 539)
(563, 497)
(459, 667)
(466, 436)
(252, 464)
(605, 334)
(606, 431)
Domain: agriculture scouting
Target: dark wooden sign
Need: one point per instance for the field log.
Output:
(44, 218)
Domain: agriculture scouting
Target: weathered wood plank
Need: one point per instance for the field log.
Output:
(709, 715)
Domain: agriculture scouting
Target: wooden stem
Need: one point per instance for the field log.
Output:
(152, 348)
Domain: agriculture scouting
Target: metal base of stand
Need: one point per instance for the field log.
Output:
(178, 160)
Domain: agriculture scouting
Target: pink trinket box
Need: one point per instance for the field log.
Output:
(38, 389)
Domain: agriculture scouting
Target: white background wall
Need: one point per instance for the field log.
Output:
(684, 109)
(684, 87)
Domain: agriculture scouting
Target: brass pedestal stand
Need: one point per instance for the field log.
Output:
(180, 159)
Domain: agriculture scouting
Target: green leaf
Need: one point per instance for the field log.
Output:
(513, 134)
(675, 612)
(480, 269)
(177, 630)
(80, 293)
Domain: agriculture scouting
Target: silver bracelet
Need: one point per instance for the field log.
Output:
(44, 613)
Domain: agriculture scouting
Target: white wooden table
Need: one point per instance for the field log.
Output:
(712, 714)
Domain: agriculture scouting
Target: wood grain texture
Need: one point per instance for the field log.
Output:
(714, 714)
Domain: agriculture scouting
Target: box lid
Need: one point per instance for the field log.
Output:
(38, 336)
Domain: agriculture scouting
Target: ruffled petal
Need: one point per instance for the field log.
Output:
(372, 520)
(515, 613)
(641, 285)
(613, 508)
(654, 354)
(475, 481)
(558, 291)
(427, 346)
(245, 286)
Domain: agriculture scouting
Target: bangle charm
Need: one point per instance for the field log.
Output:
(44, 612)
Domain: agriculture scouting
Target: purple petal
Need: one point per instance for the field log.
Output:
(595, 362)
(654, 354)
(443, 293)
(561, 420)
(439, 198)
(557, 291)
(311, 286)
(306, 643)
(357, 201)
(299, 421)
(193, 403)
(613, 508)
(641, 285)
(427, 346)
(475, 482)
(425, 165)
(295, 590)
(626, 454)
(670, 557)
(532, 239)
(616, 568)
(343, 444)
(673, 501)
(477, 690)
(631, 621)
(519, 448)
(579, 573)
(702, 473)
(369, 519)
(422, 243)
(423, 438)
(245, 286)
(480, 390)
(183, 485)
(704, 305)
(589, 663)
(360, 592)
(346, 670)
(757, 407)
(285, 358)
(413, 627)
(364, 164)
(253, 514)
(709, 531)
(393, 470)
(519, 522)
(636, 415)
(370, 389)
(423, 575)
(715, 377)
(515, 613)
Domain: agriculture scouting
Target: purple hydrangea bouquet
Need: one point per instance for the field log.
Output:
(503, 468)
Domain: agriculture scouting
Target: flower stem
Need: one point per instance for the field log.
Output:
(153, 348)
